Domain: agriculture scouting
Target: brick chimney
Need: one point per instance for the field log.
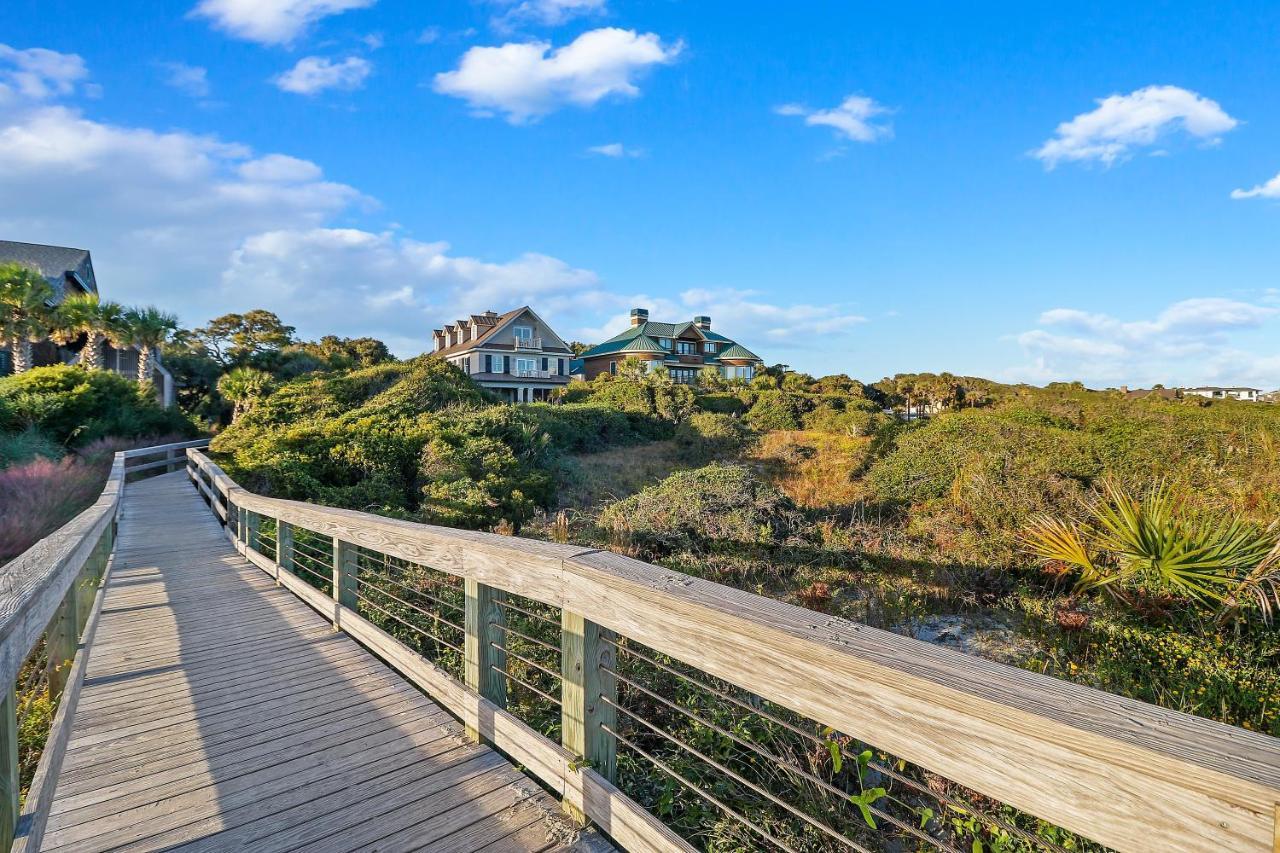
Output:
(703, 322)
(639, 316)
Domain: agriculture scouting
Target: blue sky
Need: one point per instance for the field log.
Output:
(1018, 192)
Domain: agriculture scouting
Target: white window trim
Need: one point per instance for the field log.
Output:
(527, 330)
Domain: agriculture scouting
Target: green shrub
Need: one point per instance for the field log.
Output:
(708, 435)
(724, 403)
(695, 508)
(777, 410)
(857, 422)
(587, 427)
(20, 447)
(73, 406)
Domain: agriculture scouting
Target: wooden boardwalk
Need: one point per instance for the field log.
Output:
(219, 712)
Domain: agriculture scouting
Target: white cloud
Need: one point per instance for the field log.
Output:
(279, 168)
(852, 119)
(1271, 189)
(430, 35)
(1122, 123)
(271, 21)
(1189, 342)
(615, 150)
(528, 80)
(37, 74)
(190, 80)
(313, 74)
(548, 13)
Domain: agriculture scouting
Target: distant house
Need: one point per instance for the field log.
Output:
(515, 354)
(684, 349)
(1250, 395)
(70, 271)
(1270, 397)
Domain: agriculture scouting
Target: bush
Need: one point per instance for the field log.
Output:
(73, 406)
(708, 435)
(715, 503)
(724, 403)
(855, 422)
(776, 410)
(19, 447)
(587, 427)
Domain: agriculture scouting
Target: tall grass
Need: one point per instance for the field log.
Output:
(39, 496)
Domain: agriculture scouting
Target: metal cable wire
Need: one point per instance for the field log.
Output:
(739, 778)
(526, 685)
(524, 636)
(879, 767)
(661, 765)
(415, 591)
(360, 582)
(410, 625)
(769, 756)
(526, 661)
(531, 613)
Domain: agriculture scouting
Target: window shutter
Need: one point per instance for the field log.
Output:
(506, 364)
(488, 363)
(560, 367)
(544, 364)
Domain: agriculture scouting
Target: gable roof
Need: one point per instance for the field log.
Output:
(53, 262)
(499, 324)
(737, 351)
(643, 337)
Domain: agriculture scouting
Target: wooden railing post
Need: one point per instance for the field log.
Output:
(485, 662)
(284, 548)
(62, 637)
(345, 567)
(9, 781)
(251, 530)
(586, 668)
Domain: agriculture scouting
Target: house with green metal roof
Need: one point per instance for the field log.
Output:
(684, 349)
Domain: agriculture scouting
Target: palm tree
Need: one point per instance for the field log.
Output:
(24, 311)
(1147, 542)
(149, 328)
(243, 386)
(99, 322)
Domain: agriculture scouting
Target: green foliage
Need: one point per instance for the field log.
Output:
(708, 435)
(777, 410)
(31, 443)
(244, 386)
(73, 406)
(655, 402)
(702, 507)
(235, 338)
(1149, 544)
(588, 427)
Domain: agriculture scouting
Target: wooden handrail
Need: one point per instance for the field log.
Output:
(39, 598)
(1124, 773)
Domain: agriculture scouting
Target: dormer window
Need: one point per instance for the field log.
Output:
(665, 343)
(524, 333)
(708, 347)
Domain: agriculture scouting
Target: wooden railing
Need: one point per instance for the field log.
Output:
(1122, 773)
(48, 610)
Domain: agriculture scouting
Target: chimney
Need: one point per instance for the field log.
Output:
(703, 322)
(639, 316)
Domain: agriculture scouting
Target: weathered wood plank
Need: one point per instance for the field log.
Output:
(218, 706)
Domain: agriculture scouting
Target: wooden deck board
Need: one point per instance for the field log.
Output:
(219, 712)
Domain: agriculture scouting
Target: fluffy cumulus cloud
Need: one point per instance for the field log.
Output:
(271, 21)
(190, 80)
(857, 118)
(1123, 123)
(547, 13)
(1192, 341)
(314, 74)
(1271, 189)
(527, 80)
(37, 74)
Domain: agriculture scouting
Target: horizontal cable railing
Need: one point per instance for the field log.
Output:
(48, 603)
(676, 713)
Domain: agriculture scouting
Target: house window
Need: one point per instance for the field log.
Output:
(466, 366)
(708, 347)
(739, 371)
(686, 347)
(524, 333)
(613, 367)
(665, 343)
(525, 366)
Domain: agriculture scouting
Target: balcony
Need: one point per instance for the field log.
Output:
(529, 343)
